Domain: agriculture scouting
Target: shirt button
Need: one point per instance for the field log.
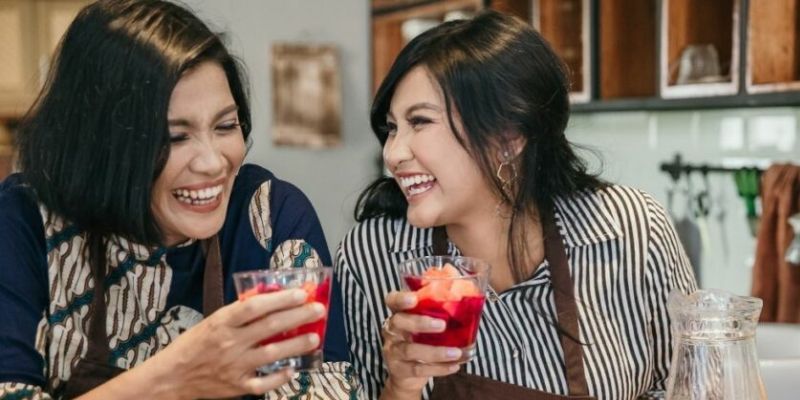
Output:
(515, 353)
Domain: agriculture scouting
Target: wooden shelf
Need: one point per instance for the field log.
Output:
(628, 49)
(627, 54)
(773, 65)
(690, 32)
(387, 21)
(557, 20)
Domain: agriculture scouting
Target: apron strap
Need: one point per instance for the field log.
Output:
(212, 277)
(566, 305)
(564, 293)
(98, 350)
(439, 241)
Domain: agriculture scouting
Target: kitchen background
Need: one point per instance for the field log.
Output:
(632, 141)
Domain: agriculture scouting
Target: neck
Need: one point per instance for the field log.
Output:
(487, 237)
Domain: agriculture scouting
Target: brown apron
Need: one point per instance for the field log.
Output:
(466, 386)
(95, 369)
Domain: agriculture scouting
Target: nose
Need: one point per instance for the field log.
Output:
(397, 150)
(208, 159)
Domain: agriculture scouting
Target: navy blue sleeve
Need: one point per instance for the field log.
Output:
(293, 217)
(23, 284)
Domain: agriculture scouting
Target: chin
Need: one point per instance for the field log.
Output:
(421, 220)
(202, 232)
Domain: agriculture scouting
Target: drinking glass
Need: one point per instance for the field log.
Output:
(317, 284)
(450, 288)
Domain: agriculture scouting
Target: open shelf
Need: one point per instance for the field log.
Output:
(692, 34)
(773, 47)
(558, 22)
(628, 49)
(388, 17)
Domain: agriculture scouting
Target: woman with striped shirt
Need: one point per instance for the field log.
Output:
(471, 118)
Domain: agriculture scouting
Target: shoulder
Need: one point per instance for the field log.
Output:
(381, 236)
(18, 203)
(376, 233)
(623, 200)
(612, 211)
(255, 184)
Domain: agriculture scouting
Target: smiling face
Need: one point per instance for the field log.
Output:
(442, 183)
(190, 196)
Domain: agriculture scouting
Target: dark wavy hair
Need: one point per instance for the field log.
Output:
(96, 139)
(499, 75)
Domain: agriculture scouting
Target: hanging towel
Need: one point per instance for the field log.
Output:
(774, 280)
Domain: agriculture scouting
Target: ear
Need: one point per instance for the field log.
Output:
(509, 146)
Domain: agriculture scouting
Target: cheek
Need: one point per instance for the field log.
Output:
(235, 150)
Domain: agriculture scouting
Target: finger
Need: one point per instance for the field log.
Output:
(282, 321)
(262, 384)
(241, 312)
(263, 355)
(411, 369)
(404, 323)
(399, 301)
(406, 351)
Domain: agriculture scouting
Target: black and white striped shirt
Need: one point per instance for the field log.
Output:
(624, 259)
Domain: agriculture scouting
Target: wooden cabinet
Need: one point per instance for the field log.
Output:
(565, 24)
(773, 46)
(672, 54)
(628, 51)
(699, 48)
(388, 18)
(30, 30)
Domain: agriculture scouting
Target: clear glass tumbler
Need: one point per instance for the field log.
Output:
(315, 281)
(452, 289)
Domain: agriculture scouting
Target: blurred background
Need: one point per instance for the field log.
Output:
(688, 100)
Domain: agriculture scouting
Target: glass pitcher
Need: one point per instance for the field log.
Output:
(714, 347)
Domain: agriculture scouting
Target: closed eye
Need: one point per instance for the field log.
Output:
(417, 122)
(178, 137)
(228, 126)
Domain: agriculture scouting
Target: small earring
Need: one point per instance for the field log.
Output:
(506, 167)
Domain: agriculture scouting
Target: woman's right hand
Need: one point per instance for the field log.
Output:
(411, 365)
(218, 357)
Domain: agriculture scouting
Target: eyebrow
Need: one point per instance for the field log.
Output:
(418, 106)
(218, 115)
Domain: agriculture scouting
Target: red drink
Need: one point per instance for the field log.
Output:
(316, 292)
(317, 284)
(461, 313)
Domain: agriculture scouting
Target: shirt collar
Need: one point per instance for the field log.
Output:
(583, 219)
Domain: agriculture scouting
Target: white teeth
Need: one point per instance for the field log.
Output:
(409, 181)
(202, 196)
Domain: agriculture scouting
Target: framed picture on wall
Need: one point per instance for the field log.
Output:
(306, 95)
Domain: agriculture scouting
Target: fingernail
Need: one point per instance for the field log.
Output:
(407, 300)
(453, 353)
(313, 339)
(318, 308)
(436, 324)
(299, 295)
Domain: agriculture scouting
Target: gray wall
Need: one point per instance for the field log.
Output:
(632, 143)
(331, 178)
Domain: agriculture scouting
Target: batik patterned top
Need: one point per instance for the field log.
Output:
(153, 294)
(624, 258)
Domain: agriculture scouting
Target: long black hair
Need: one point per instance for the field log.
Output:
(500, 76)
(96, 139)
